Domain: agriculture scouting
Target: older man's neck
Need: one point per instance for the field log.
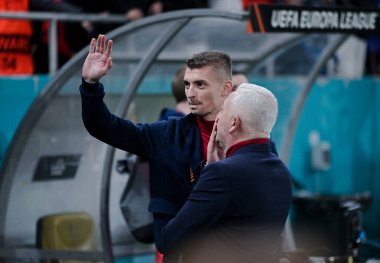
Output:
(247, 137)
(258, 135)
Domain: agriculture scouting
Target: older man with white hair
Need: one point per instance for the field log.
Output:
(238, 208)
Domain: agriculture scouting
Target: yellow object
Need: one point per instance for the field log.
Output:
(67, 231)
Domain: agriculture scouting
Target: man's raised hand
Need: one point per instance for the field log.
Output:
(98, 60)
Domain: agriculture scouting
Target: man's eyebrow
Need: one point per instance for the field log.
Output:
(196, 81)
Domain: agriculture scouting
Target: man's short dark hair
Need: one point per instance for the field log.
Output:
(219, 60)
(178, 86)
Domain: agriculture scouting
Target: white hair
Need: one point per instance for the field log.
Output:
(256, 106)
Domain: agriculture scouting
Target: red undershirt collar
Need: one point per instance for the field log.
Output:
(239, 145)
(205, 128)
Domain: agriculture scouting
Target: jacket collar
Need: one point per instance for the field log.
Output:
(262, 147)
(192, 137)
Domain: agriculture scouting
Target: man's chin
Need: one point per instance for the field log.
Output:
(193, 107)
(196, 112)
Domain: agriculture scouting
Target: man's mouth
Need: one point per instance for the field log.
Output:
(194, 105)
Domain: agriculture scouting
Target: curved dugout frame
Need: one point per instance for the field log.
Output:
(10, 163)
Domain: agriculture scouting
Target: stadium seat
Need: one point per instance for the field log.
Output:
(66, 231)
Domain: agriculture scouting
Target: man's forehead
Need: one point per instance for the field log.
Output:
(195, 72)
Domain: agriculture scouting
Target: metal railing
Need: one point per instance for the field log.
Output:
(53, 18)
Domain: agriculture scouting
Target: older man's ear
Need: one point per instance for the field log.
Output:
(235, 124)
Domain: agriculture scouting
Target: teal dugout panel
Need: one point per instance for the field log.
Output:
(343, 112)
(16, 95)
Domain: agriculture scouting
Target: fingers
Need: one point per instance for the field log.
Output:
(92, 46)
(213, 135)
(109, 63)
(214, 130)
(97, 44)
(212, 142)
(109, 48)
(102, 43)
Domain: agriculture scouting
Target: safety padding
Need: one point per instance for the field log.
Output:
(66, 231)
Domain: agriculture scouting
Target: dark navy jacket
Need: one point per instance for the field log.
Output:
(170, 113)
(172, 147)
(235, 212)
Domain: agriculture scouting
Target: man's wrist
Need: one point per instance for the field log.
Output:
(90, 81)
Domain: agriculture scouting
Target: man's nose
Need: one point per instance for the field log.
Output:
(190, 92)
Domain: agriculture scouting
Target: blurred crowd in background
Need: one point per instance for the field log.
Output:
(30, 54)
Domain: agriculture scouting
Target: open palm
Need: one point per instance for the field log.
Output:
(98, 60)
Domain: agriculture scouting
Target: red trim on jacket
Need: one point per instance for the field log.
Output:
(238, 145)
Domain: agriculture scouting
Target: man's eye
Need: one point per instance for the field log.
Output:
(200, 85)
